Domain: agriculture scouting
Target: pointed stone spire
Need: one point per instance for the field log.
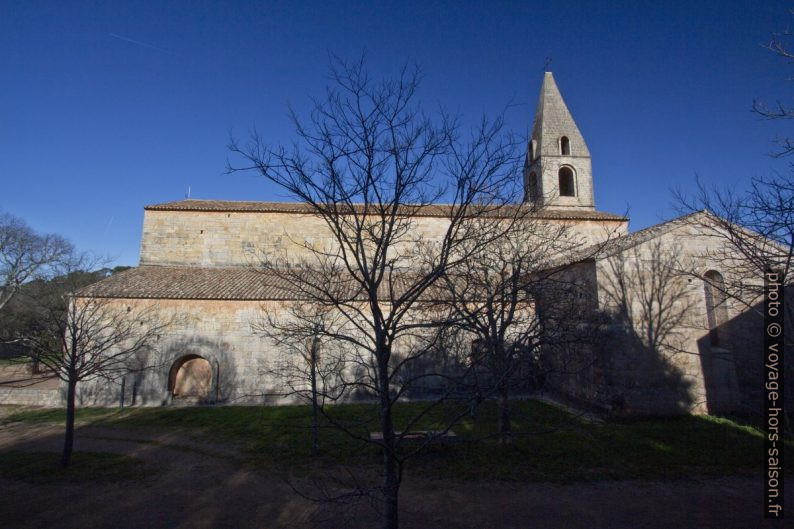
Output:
(553, 120)
(558, 170)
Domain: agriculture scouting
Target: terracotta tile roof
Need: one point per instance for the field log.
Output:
(232, 284)
(172, 282)
(436, 210)
(209, 283)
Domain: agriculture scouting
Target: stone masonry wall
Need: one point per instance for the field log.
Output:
(218, 331)
(51, 398)
(204, 238)
(683, 372)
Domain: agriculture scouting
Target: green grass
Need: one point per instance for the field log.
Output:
(14, 360)
(549, 444)
(53, 415)
(45, 467)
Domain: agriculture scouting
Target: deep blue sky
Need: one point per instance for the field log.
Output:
(111, 105)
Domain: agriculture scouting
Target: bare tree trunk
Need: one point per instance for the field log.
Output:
(68, 441)
(315, 405)
(6, 295)
(391, 486)
(377, 252)
(391, 477)
(35, 367)
(505, 431)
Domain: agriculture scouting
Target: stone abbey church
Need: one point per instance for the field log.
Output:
(195, 265)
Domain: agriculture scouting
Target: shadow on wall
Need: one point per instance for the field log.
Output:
(137, 367)
(620, 374)
(640, 353)
(645, 364)
(637, 378)
(191, 371)
(434, 367)
(116, 391)
(733, 352)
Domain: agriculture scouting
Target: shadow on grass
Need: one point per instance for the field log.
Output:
(94, 467)
(549, 444)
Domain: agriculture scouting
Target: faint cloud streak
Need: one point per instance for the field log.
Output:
(139, 43)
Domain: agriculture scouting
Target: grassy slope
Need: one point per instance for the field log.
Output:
(549, 445)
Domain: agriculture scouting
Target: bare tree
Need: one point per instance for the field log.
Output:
(308, 364)
(780, 45)
(649, 292)
(493, 296)
(754, 227)
(755, 230)
(646, 293)
(753, 234)
(26, 255)
(82, 338)
(371, 165)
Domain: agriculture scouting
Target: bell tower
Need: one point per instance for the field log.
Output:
(558, 171)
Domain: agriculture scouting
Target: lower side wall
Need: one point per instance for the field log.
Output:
(218, 335)
(620, 376)
(616, 375)
(50, 398)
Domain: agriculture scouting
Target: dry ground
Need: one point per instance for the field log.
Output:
(19, 376)
(201, 485)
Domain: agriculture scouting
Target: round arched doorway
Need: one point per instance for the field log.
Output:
(190, 377)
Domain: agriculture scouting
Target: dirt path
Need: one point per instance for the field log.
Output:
(202, 485)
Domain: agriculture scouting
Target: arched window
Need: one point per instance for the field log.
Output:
(533, 186)
(567, 184)
(716, 309)
(532, 151)
(565, 146)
